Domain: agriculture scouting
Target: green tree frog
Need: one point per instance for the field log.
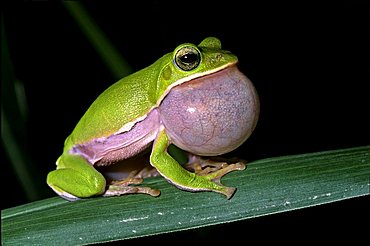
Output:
(194, 98)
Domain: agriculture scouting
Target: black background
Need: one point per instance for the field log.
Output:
(307, 60)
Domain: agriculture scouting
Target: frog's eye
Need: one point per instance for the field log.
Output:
(187, 58)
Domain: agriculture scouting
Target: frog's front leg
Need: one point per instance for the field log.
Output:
(176, 174)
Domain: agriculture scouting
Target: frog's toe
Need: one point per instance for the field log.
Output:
(218, 174)
(214, 170)
(122, 187)
(204, 167)
(115, 190)
(229, 192)
(215, 175)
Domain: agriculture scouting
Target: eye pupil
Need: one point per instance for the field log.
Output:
(187, 58)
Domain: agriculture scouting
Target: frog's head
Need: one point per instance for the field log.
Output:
(206, 58)
(189, 61)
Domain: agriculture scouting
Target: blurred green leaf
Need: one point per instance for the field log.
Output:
(108, 53)
(13, 120)
(267, 186)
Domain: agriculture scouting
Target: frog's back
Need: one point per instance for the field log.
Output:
(122, 103)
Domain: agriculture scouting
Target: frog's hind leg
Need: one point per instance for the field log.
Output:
(75, 178)
(122, 187)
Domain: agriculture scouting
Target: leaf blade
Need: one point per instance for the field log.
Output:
(267, 186)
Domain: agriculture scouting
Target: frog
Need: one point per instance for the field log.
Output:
(194, 98)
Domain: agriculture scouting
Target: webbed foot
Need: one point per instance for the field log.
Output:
(213, 170)
(122, 187)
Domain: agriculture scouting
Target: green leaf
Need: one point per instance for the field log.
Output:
(267, 186)
(14, 113)
(117, 65)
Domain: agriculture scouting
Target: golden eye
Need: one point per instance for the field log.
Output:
(187, 58)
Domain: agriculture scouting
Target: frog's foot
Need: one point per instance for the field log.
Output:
(211, 168)
(122, 187)
(214, 171)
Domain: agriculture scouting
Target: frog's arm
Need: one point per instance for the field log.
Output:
(169, 168)
(75, 178)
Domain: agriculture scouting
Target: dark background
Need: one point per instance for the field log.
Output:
(307, 60)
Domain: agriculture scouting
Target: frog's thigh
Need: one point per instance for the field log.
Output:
(76, 178)
(176, 174)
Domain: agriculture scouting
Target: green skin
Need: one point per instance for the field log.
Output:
(136, 99)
